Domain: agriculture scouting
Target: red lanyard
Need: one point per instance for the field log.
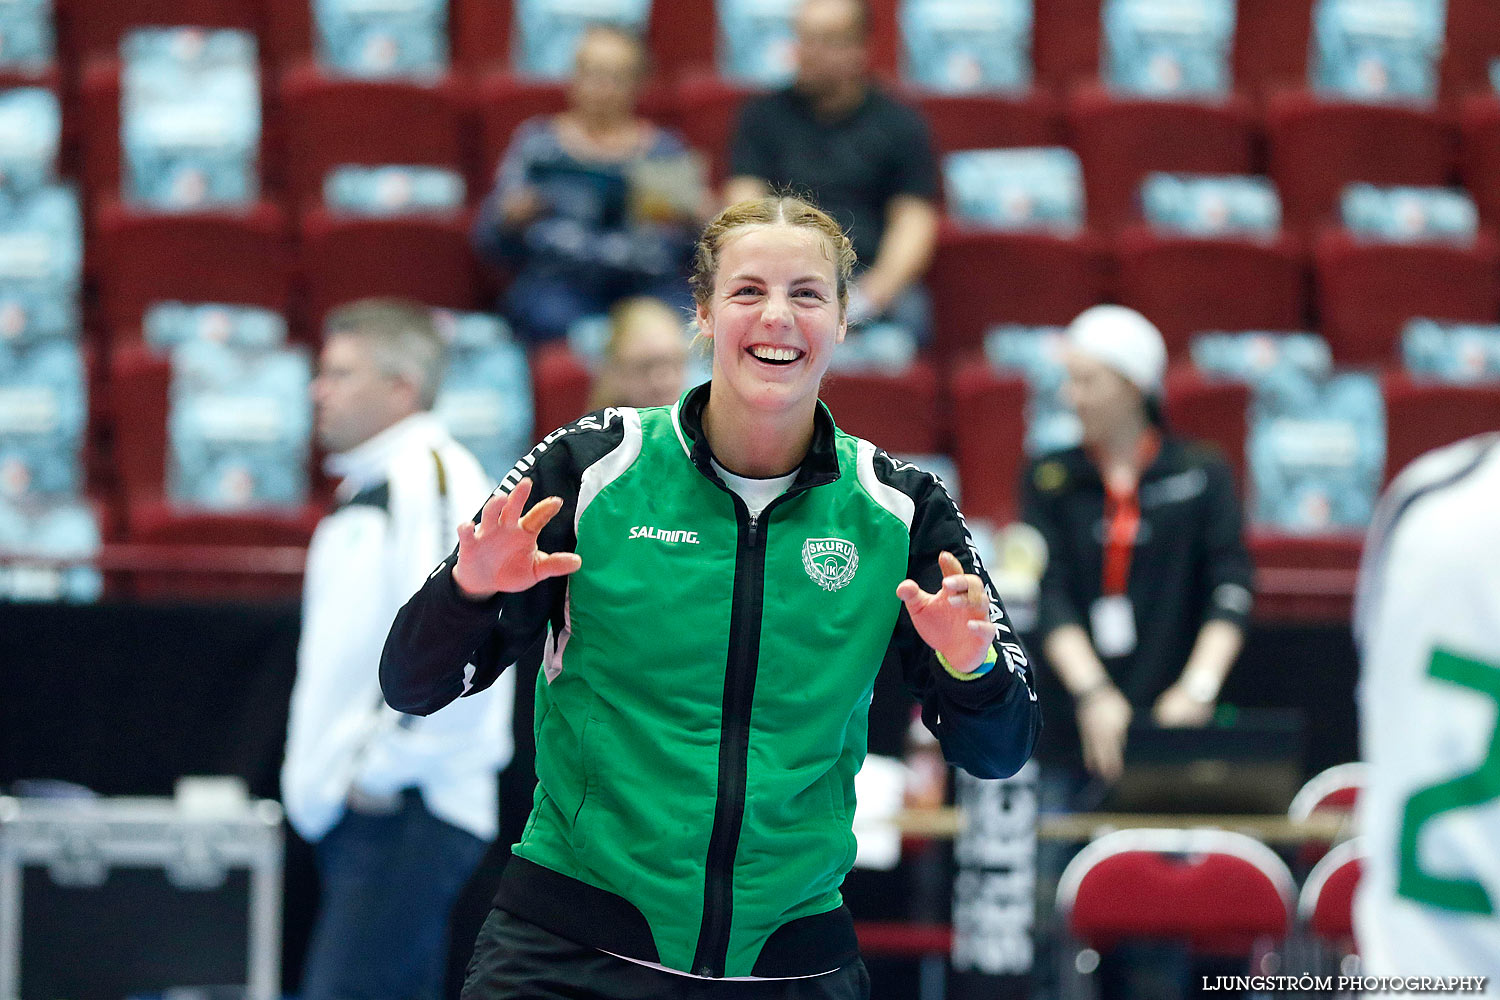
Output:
(1122, 517)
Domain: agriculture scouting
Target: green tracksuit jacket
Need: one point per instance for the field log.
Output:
(703, 702)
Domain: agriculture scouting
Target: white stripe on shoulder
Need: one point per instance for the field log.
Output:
(677, 427)
(892, 499)
(609, 468)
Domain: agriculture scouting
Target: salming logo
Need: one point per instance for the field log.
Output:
(662, 535)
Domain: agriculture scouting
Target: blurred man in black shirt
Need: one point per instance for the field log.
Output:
(863, 157)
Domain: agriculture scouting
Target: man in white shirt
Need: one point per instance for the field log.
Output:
(1428, 626)
(399, 808)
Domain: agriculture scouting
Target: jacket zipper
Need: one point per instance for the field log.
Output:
(734, 747)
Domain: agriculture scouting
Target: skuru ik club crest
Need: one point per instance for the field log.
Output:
(830, 562)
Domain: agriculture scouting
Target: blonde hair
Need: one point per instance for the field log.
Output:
(625, 319)
(772, 210)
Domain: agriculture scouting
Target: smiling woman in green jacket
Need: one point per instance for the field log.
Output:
(719, 582)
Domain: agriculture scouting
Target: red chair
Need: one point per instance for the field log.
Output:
(1212, 411)
(980, 278)
(1122, 139)
(242, 259)
(1065, 42)
(1367, 291)
(1334, 790)
(989, 121)
(1188, 285)
(481, 33)
(560, 385)
(1472, 41)
(288, 32)
(1421, 416)
(426, 258)
(1302, 578)
(1270, 45)
(1221, 893)
(91, 30)
(861, 403)
(328, 122)
(707, 108)
(184, 542)
(98, 116)
(1479, 154)
(990, 445)
(681, 37)
(1325, 907)
(1318, 145)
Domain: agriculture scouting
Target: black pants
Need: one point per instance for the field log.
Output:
(517, 960)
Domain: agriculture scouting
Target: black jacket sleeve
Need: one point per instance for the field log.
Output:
(1055, 602)
(1227, 571)
(987, 726)
(442, 645)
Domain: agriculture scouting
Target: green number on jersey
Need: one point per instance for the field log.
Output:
(1479, 786)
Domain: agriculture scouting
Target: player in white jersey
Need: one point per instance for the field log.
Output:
(1428, 626)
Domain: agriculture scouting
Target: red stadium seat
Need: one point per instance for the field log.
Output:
(139, 383)
(707, 108)
(1479, 154)
(1367, 291)
(91, 30)
(884, 36)
(139, 380)
(1065, 42)
(1325, 907)
(1209, 410)
(1271, 45)
(560, 385)
(328, 122)
(1332, 791)
(1472, 42)
(99, 130)
(861, 403)
(1303, 577)
(1318, 145)
(1421, 416)
(980, 278)
(1122, 139)
(1221, 893)
(423, 258)
(235, 258)
(1187, 285)
(681, 37)
(288, 32)
(989, 121)
(989, 446)
(481, 34)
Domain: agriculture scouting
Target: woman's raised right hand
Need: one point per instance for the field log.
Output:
(499, 554)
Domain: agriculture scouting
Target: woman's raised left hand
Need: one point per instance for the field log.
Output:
(955, 621)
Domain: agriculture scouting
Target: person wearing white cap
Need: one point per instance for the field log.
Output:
(1147, 588)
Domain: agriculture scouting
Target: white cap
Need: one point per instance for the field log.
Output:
(1125, 341)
